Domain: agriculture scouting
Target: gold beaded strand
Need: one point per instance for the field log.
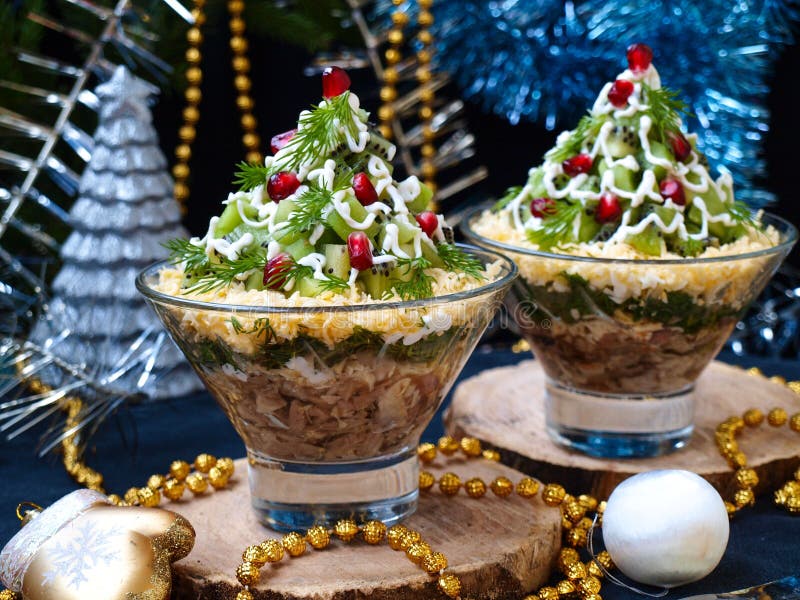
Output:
(191, 112)
(242, 82)
(393, 55)
(423, 75)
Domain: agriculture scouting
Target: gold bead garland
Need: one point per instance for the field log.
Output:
(194, 77)
(423, 75)
(242, 83)
(393, 55)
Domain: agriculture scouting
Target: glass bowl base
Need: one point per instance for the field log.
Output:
(619, 425)
(291, 496)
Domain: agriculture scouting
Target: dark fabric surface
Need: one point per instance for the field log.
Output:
(764, 543)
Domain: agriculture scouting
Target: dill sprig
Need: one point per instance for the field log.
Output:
(587, 128)
(251, 175)
(557, 228)
(308, 211)
(261, 326)
(413, 282)
(319, 131)
(294, 272)
(665, 108)
(504, 201)
(455, 259)
(210, 274)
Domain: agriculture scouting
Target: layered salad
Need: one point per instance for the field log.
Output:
(628, 191)
(347, 351)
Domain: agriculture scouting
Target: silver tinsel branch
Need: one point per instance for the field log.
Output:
(89, 335)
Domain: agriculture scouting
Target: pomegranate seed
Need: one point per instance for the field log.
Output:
(279, 141)
(608, 209)
(619, 93)
(335, 81)
(639, 57)
(681, 147)
(275, 271)
(428, 222)
(365, 191)
(541, 207)
(581, 163)
(282, 185)
(359, 251)
(671, 189)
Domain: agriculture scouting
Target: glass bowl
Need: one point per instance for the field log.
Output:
(622, 341)
(331, 401)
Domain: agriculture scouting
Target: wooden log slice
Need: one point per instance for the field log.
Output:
(500, 548)
(504, 408)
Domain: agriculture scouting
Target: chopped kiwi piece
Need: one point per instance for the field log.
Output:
(285, 208)
(421, 202)
(624, 178)
(589, 227)
(536, 181)
(357, 213)
(687, 247)
(649, 241)
(255, 281)
(378, 280)
(658, 150)
(623, 139)
(299, 249)
(432, 255)
(337, 261)
(310, 287)
(228, 220)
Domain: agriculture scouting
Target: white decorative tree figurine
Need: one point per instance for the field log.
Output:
(96, 320)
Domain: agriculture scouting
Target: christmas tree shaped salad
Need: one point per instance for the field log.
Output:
(323, 217)
(327, 308)
(635, 262)
(628, 182)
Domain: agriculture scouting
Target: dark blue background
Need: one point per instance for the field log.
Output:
(764, 543)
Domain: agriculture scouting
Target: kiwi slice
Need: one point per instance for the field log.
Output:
(377, 280)
(624, 179)
(589, 227)
(623, 139)
(649, 241)
(285, 208)
(309, 287)
(299, 248)
(421, 202)
(358, 213)
(658, 150)
(228, 220)
(337, 261)
(255, 281)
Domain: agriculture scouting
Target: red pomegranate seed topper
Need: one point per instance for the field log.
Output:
(608, 209)
(364, 190)
(359, 251)
(335, 81)
(282, 185)
(428, 222)
(581, 163)
(672, 189)
(681, 147)
(275, 269)
(619, 93)
(640, 57)
(542, 207)
(280, 140)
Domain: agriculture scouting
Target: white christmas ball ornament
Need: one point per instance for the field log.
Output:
(665, 528)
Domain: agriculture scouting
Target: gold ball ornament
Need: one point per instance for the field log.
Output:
(236, 25)
(385, 131)
(587, 502)
(294, 543)
(548, 593)
(475, 487)
(429, 151)
(777, 417)
(318, 537)
(388, 94)
(392, 56)
(417, 551)
(449, 484)
(425, 37)
(573, 510)
(744, 498)
(194, 75)
(502, 487)
(395, 37)
(449, 585)
(604, 558)
(248, 121)
(794, 422)
(155, 482)
(753, 417)
(426, 480)
(254, 157)
(193, 55)
(149, 497)
(575, 570)
(589, 585)
(204, 462)
(391, 76)
(235, 6)
(244, 595)
(173, 489)
(242, 83)
(241, 64)
(251, 141)
(138, 544)
(566, 588)
(199, 17)
(746, 478)
(427, 169)
(385, 113)
(345, 529)
(408, 538)
(447, 445)
(567, 556)
(594, 569)
(217, 478)
(187, 134)
(238, 44)
(425, 18)
(434, 563)
(424, 56)
(373, 532)
(248, 574)
(244, 103)
(399, 18)
(577, 537)
(196, 483)
(553, 494)
(394, 536)
(426, 452)
(194, 36)
(425, 113)
(193, 94)
(115, 499)
(256, 555)
(8, 595)
(191, 115)
(527, 487)
(492, 455)
(274, 550)
(131, 496)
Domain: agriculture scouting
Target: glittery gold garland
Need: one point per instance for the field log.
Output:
(194, 77)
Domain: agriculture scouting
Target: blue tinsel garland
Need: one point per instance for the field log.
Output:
(545, 60)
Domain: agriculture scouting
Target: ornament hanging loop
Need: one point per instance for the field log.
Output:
(27, 511)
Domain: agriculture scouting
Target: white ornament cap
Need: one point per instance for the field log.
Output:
(21, 549)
